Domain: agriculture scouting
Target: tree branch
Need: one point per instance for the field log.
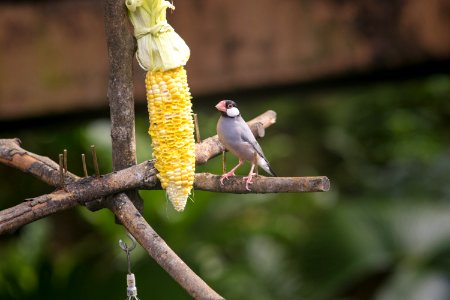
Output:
(261, 184)
(41, 167)
(141, 176)
(121, 47)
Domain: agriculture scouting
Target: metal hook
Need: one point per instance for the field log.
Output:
(124, 245)
(127, 249)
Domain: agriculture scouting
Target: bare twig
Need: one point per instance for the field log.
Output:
(65, 160)
(95, 160)
(224, 162)
(197, 130)
(83, 161)
(61, 171)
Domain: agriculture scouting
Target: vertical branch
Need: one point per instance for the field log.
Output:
(121, 47)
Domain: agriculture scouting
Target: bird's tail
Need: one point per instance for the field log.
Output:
(264, 164)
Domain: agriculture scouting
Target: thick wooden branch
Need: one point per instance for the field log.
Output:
(142, 176)
(160, 251)
(41, 167)
(261, 184)
(121, 47)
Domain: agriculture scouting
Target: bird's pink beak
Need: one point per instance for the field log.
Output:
(221, 106)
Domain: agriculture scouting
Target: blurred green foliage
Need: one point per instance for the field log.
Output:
(382, 232)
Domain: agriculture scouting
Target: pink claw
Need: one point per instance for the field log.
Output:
(225, 176)
(231, 173)
(248, 180)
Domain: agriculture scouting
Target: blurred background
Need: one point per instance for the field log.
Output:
(362, 92)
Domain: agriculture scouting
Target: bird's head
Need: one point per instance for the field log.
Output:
(228, 108)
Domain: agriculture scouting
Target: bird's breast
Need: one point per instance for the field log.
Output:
(229, 132)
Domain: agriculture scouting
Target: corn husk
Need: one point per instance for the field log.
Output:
(160, 48)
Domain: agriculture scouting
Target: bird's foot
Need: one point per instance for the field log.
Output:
(248, 180)
(225, 176)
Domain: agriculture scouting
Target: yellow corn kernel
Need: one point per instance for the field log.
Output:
(172, 132)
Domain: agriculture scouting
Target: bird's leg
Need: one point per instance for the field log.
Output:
(231, 173)
(248, 179)
(255, 161)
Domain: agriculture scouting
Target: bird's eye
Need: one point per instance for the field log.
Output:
(229, 106)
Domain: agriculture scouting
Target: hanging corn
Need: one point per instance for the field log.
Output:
(163, 54)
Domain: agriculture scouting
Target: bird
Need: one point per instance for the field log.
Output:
(236, 136)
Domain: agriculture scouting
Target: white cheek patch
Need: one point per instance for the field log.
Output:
(233, 112)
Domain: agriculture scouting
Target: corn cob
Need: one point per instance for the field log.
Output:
(171, 130)
(163, 53)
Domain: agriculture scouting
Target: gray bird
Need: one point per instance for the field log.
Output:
(237, 138)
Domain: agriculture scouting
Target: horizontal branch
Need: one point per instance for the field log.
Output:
(143, 176)
(41, 167)
(261, 184)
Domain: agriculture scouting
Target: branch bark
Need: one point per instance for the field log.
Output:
(261, 184)
(41, 167)
(121, 47)
(141, 176)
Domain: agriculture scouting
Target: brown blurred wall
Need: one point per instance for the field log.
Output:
(53, 53)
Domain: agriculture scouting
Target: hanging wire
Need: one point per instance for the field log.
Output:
(131, 280)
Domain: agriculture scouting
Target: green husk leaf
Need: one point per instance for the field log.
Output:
(160, 48)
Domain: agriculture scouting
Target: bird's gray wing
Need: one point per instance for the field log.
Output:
(248, 137)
